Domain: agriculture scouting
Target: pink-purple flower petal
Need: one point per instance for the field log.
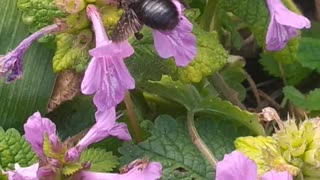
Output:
(121, 49)
(115, 81)
(92, 79)
(105, 126)
(24, 173)
(179, 43)
(35, 129)
(107, 76)
(152, 172)
(11, 64)
(284, 25)
(236, 166)
(274, 175)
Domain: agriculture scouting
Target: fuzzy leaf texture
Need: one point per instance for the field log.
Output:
(145, 64)
(309, 102)
(48, 151)
(309, 53)
(15, 149)
(189, 97)
(100, 160)
(70, 169)
(72, 51)
(211, 57)
(171, 145)
(38, 14)
(294, 73)
(255, 14)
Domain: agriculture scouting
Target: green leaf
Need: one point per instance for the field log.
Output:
(227, 111)
(72, 51)
(313, 32)
(309, 102)
(145, 64)
(227, 23)
(70, 169)
(255, 14)
(38, 14)
(100, 160)
(15, 149)
(185, 94)
(211, 57)
(294, 73)
(22, 98)
(171, 145)
(309, 55)
(233, 74)
(188, 96)
(73, 116)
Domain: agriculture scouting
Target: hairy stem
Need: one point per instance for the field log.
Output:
(196, 139)
(228, 93)
(132, 117)
(253, 87)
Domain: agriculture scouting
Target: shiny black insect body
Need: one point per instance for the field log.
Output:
(157, 14)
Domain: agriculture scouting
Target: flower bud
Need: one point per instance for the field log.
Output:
(72, 155)
(71, 6)
(266, 153)
(312, 157)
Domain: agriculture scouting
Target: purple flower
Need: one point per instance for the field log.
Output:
(12, 62)
(237, 166)
(179, 43)
(284, 25)
(104, 127)
(26, 173)
(107, 76)
(35, 128)
(151, 172)
(277, 175)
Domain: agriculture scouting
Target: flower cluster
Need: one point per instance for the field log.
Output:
(56, 157)
(294, 148)
(236, 166)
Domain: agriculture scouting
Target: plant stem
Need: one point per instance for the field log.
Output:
(196, 139)
(228, 93)
(317, 3)
(132, 117)
(253, 87)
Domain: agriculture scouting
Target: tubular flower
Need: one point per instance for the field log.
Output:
(237, 166)
(179, 43)
(24, 173)
(151, 171)
(104, 127)
(107, 76)
(55, 155)
(284, 25)
(12, 62)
